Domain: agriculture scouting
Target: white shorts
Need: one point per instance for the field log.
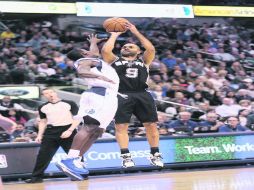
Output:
(101, 108)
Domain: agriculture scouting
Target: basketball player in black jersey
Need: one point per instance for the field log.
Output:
(132, 67)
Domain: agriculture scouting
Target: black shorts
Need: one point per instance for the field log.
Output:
(141, 104)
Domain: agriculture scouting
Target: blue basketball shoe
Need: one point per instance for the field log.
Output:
(73, 168)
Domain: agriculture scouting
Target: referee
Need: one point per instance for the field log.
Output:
(56, 128)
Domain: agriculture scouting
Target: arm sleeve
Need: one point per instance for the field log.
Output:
(41, 114)
(74, 107)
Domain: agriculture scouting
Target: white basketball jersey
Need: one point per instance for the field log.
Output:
(100, 105)
(105, 70)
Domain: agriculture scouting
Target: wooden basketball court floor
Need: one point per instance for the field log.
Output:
(219, 179)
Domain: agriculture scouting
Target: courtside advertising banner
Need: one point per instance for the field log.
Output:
(103, 155)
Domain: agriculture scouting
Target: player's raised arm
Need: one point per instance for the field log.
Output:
(107, 50)
(93, 40)
(149, 53)
(84, 70)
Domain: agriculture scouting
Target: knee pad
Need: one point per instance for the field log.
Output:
(90, 121)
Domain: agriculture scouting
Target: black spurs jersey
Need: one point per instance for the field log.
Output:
(133, 75)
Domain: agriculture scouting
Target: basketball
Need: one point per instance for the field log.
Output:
(115, 24)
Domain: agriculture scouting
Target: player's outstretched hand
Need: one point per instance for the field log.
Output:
(92, 38)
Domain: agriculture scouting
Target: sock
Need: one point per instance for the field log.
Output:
(154, 150)
(125, 151)
(73, 153)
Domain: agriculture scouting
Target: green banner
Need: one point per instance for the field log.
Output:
(202, 149)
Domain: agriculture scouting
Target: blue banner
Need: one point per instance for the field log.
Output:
(106, 155)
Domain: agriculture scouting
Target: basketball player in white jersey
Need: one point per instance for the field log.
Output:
(97, 109)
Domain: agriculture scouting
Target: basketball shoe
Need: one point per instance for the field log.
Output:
(156, 159)
(127, 161)
(73, 168)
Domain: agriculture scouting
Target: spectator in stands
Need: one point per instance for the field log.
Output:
(232, 125)
(206, 89)
(200, 114)
(6, 102)
(180, 98)
(242, 115)
(194, 85)
(240, 76)
(208, 68)
(7, 125)
(230, 94)
(243, 94)
(33, 124)
(4, 72)
(8, 34)
(174, 88)
(169, 60)
(163, 131)
(19, 74)
(235, 67)
(45, 69)
(16, 116)
(139, 132)
(37, 40)
(197, 99)
(245, 104)
(195, 67)
(223, 56)
(53, 41)
(216, 98)
(163, 72)
(19, 131)
(164, 119)
(183, 121)
(157, 92)
(228, 108)
(211, 123)
(216, 81)
(247, 83)
(250, 121)
(177, 75)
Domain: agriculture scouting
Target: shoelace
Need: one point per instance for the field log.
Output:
(158, 156)
(127, 158)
